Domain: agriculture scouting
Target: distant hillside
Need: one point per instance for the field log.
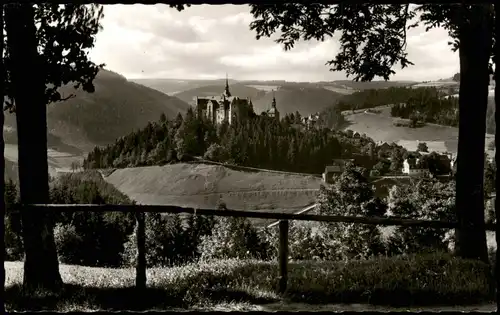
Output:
(239, 90)
(305, 100)
(173, 86)
(115, 109)
(370, 85)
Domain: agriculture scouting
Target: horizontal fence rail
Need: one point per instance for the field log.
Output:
(283, 221)
(385, 221)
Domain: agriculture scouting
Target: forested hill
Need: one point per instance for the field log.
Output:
(304, 99)
(239, 90)
(368, 99)
(116, 108)
(259, 142)
(426, 104)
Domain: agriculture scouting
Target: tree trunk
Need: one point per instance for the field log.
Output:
(41, 267)
(496, 61)
(475, 48)
(2, 144)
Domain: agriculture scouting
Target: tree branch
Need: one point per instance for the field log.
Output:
(67, 98)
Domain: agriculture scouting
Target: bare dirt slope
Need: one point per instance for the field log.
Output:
(202, 186)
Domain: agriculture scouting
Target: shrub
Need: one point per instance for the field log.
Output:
(303, 242)
(216, 153)
(492, 252)
(232, 237)
(68, 244)
(102, 234)
(14, 249)
(351, 195)
(428, 199)
(12, 225)
(197, 226)
(374, 173)
(164, 241)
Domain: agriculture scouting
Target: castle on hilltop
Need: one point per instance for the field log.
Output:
(227, 107)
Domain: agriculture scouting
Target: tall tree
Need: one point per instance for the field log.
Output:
(373, 41)
(2, 144)
(46, 47)
(496, 60)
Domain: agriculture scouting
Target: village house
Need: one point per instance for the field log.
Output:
(411, 167)
(384, 146)
(452, 158)
(334, 170)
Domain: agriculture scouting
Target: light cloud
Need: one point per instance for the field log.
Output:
(206, 41)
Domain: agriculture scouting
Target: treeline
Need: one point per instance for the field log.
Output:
(371, 98)
(380, 97)
(258, 141)
(428, 106)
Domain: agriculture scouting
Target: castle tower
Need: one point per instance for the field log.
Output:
(226, 90)
(273, 112)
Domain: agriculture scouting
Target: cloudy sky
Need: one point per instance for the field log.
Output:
(206, 41)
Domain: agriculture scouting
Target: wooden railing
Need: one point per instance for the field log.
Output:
(283, 218)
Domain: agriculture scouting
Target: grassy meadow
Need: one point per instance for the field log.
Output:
(422, 282)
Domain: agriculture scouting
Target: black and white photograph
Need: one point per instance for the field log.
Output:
(264, 157)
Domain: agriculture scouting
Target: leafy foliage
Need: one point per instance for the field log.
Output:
(65, 33)
(422, 147)
(372, 40)
(351, 195)
(12, 226)
(428, 199)
(372, 36)
(232, 237)
(68, 243)
(304, 243)
(164, 241)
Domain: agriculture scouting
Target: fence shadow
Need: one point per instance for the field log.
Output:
(81, 298)
(90, 298)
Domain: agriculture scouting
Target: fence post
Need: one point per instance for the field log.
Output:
(283, 256)
(140, 267)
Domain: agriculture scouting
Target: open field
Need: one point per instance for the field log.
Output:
(339, 89)
(377, 284)
(202, 186)
(267, 88)
(380, 127)
(58, 161)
